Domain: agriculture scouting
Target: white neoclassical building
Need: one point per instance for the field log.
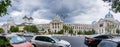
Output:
(57, 24)
(102, 25)
(6, 26)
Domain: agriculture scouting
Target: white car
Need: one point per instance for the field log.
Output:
(48, 41)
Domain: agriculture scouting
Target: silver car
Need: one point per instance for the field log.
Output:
(48, 41)
(115, 42)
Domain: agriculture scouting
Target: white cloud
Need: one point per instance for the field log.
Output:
(79, 11)
(41, 21)
(39, 13)
(94, 14)
(15, 13)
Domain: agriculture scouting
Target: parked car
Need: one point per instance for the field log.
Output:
(28, 34)
(15, 41)
(18, 33)
(115, 42)
(94, 40)
(48, 41)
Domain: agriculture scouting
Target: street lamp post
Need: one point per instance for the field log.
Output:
(5, 29)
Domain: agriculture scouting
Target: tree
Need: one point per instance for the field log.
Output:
(61, 32)
(67, 28)
(4, 4)
(110, 27)
(117, 31)
(70, 30)
(4, 42)
(84, 32)
(1, 30)
(89, 32)
(115, 5)
(80, 32)
(93, 31)
(14, 29)
(31, 28)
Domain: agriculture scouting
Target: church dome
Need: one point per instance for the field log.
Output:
(109, 15)
(94, 22)
(57, 19)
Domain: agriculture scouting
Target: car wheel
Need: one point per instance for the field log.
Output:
(33, 45)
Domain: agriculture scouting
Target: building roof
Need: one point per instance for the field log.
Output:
(30, 18)
(110, 18)
(56, 19)
(109, 15)
(25, 17)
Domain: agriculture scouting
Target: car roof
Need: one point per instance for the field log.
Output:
(41, 35)
(44, 35)
(95, 35)
(114, 39)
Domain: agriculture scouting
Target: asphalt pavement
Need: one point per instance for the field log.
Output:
(75, 41)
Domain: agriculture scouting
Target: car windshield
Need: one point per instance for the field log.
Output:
(56, 39)
(107, 44)
(16, 39)
(110, 36)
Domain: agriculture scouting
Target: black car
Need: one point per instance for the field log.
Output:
(109, 43)
(94, 40)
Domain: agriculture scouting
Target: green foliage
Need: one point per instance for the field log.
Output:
(4, 42)
(67, 28)
(86, 33)
(93, 31)
(115, 5)
(80, 32)
(61, 32)
(70, 30)
(118, 31)
(31, 28)
(3, 6)
(110, 27)
(1, 30)
(14, 29)
(89, 32)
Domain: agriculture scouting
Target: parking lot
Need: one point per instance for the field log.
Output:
(76, 41)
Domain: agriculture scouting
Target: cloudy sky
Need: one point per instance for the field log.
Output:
(71, 11)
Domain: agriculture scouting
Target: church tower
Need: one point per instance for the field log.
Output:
(28, 20)
(56, 24)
